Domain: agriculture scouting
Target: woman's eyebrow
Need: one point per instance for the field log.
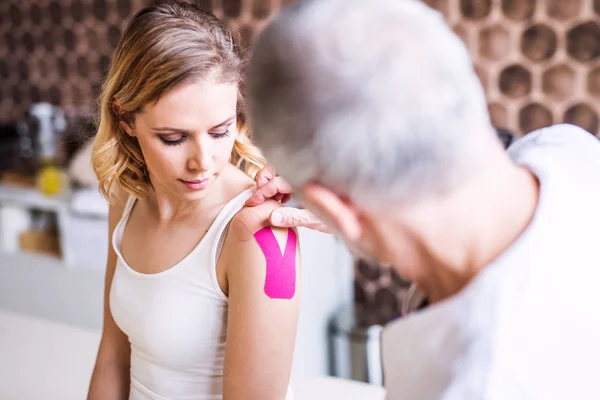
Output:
(177, 130)
(169, 129)
(226, 122)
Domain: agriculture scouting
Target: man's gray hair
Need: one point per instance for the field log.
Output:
(375, 99)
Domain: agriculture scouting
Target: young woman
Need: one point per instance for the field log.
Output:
(201, 298)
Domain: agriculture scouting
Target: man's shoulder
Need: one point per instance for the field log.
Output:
(564, 138)
(423, 350)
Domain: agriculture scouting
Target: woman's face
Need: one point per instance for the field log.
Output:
(187, 137)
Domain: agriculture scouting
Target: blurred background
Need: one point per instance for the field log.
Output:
(538, 60)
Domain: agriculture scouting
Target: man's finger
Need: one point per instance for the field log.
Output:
(264, 193)
(286, 198)
(278, 197)
(288, 217)
(269, 190)
(265, 175)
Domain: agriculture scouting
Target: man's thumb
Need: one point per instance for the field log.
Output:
(277, 218)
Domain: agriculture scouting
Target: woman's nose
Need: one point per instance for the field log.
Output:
(200, 159)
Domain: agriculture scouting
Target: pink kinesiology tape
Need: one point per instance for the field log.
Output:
(280, 282)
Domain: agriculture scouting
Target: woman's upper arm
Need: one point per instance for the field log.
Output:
(114, 345)
(263, 313)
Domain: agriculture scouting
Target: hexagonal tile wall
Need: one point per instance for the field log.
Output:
(518, 10)
(558, 82)
(583, 41)
(497, 114)
(59, 50)
(538, 58)
(593, 82)
(564, 9)
(582, 115)
(534, 116)
(475, 9)
(538, 42)
(515, 81)
(494, 42)
(523, 49)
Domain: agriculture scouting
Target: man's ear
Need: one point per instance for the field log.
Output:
(118, 110)
(334, 211)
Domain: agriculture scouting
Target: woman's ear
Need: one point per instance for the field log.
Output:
(127, 128)
(118, 110)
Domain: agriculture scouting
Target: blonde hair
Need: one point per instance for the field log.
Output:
(163, 46)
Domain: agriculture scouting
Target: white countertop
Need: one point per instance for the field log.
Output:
(43, 359)
(329, 388)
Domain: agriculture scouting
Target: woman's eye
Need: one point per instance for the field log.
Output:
(219, 135)
(171, 140)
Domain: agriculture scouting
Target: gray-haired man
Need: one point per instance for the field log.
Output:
(372, 111)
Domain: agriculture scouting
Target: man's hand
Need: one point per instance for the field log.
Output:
(271, 186)
(294, 217)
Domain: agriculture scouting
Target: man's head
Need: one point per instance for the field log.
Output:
(366, 105)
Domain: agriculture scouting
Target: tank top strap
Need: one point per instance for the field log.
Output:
(232, 208)
(218, 234)
(117, 235)
(128, 207)
(224, 219)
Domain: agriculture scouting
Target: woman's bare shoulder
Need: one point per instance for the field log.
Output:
(250, 220)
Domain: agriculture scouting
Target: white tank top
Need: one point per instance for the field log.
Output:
(176, 320)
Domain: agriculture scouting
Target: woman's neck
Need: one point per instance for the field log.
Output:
(167, 206)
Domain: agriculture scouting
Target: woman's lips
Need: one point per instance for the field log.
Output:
(196, 184)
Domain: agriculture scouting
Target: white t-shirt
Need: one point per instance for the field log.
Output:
(528, 326)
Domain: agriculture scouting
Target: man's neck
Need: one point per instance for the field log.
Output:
(453, 238)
